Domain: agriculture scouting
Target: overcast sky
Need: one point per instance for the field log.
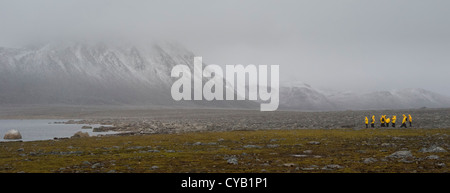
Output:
(337, 44)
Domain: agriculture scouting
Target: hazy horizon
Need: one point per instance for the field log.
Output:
(342, 45)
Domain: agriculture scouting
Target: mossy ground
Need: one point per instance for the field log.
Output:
(255, 151)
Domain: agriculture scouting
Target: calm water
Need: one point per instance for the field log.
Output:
(44, 129)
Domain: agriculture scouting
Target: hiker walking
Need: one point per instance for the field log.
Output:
(382, 119)
(404, 121)
(394, 118)
(366, 120)
(388, 120)
(410, 120)
(372, 124)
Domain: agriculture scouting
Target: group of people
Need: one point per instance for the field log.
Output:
(385, 121)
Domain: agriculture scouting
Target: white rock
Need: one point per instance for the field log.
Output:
(370, 160)
(401, 154)
(314, 143)
(433, 149)
(232, 160)
(308, 151)
(299, 155)
(332, 167)
(432, 157)
(12, 134)
(289, 164)
(80, 134)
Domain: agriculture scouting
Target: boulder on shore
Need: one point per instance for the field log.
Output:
(12, 134)
(80, 134)
(103, 129)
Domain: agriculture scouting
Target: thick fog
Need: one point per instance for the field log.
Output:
(341, 45)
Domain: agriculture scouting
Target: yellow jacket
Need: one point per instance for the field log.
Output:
(382, 119)
(373, 119)
(410, 118)
(404, 119)
(366, 120)
(394, 118)
(388, 120)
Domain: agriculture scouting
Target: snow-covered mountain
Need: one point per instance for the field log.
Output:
(83, 73)
(80, 73)
(301, 96)
(395, 99)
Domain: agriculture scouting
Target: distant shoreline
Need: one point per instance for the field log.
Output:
(185, 120)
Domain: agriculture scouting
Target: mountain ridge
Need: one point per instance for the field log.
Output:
(407, 98)
(80, 73)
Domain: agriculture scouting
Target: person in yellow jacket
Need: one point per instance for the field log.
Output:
(373, 121)
(388, 120)
(394, 118)
(366, 121)
(404, 121)
(382, 119)
(410, 120)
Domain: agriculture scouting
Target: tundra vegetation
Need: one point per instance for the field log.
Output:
(283, 150)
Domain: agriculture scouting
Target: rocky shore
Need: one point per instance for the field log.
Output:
(166, 121)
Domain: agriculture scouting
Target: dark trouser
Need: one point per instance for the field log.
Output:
(393, 124)
(382, 125)
(372, 125)
(367, 125)
(403, 125)
(387, 124)
(410, 124)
